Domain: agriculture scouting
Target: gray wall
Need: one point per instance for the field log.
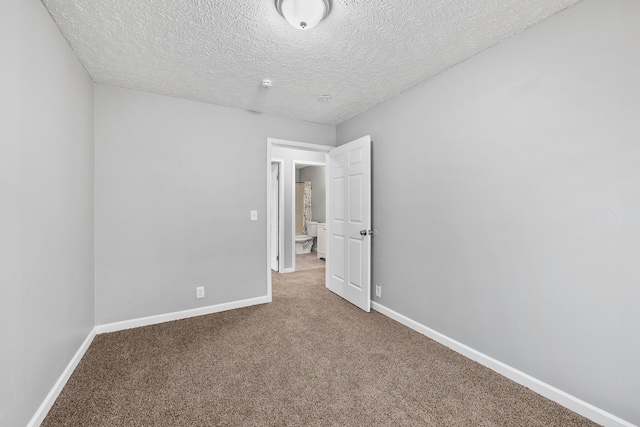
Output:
(175, 182)
(507, 202)
(316, 175)
(46, 208)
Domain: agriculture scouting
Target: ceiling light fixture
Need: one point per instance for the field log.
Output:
(304, 14)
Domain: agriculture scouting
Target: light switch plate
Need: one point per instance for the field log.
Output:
(254, 215)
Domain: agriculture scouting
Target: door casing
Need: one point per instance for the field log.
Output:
(280, 217)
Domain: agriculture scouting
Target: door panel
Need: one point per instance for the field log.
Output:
(355, 208)
(338, 264)
(348, 213)
(338, 199)
(355, 263)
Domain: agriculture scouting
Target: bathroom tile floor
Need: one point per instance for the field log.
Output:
(308, 261)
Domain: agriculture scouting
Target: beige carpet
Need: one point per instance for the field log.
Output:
(307, 359)
(308, 261)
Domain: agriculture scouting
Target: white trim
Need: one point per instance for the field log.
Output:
(273, 142)
(289, 270)
(280, 220)
(268, 193)
(281, 164)
(48, 401)
(565, 399)
(292, 196)
(550, 392)
(177, 315)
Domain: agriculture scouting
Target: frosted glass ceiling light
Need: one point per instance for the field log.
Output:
(304, 14)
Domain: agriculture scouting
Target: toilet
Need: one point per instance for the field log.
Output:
(304, 242)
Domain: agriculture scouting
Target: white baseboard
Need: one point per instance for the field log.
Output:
(571, 402)
(48, 402)
(565, 399)
(177, 315)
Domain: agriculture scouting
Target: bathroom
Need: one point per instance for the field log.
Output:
(310, 211)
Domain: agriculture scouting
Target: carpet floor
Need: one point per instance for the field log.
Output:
(308, 358)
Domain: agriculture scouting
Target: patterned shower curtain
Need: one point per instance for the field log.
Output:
(306, 210)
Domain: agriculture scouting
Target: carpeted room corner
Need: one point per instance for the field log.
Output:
(309, 358)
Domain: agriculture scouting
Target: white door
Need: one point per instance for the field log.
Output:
(348, 268)
(275, 205)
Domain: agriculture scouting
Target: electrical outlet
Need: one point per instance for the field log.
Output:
(200, 292)
(378, 291)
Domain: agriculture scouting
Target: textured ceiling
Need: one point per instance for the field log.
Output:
(218, 51)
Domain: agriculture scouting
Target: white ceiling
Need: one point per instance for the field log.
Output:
(218, 51)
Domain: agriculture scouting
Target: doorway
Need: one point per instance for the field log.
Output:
(287, 154)
(348, 213)
(310, 216)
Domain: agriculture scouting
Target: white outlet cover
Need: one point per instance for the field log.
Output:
(200, 292)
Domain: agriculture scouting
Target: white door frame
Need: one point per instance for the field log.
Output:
(273, 142)
(280, 163)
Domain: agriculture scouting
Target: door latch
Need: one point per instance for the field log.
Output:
(366, 232)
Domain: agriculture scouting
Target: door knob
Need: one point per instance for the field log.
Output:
(365, 232)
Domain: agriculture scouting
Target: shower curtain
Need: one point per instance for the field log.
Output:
(306, 210)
